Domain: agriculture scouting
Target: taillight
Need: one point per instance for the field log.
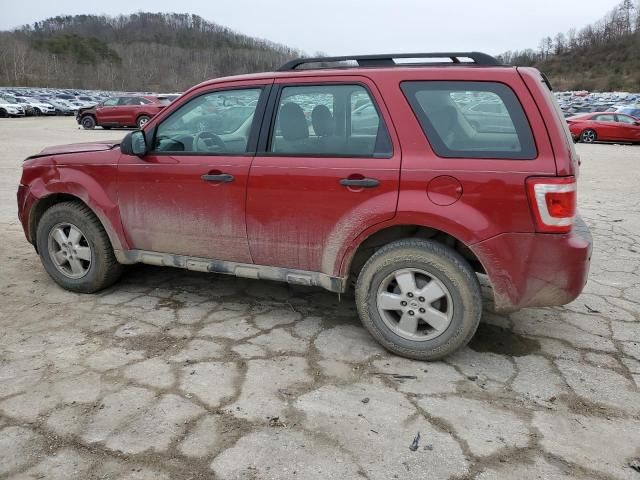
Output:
(553, 201)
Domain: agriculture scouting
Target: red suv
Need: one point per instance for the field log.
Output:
(126, 111)
(368, 177)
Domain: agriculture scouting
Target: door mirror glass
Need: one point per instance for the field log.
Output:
(134, 144)
(138, 143)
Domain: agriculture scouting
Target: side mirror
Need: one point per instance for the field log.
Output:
(134, 144)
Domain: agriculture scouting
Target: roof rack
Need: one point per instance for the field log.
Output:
(387, 60)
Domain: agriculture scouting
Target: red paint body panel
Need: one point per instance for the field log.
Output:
(298, 214)
(291, 212)
(166, 207)
(93, 181)
(536, 269)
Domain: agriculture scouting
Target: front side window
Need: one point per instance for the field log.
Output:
(329, 120)
(471, 119)
(625, 119)
(215, 123)
(110, 102)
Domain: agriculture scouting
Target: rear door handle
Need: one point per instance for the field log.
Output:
(222, 177)
(359, 182)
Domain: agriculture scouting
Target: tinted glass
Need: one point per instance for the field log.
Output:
(110, 102)
(215, 123)
(624, 119)
(471, 119)
(604, 118)
(329, 120)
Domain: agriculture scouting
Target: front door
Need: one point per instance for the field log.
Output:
(629, 128)
(106, 110)
(187, 196)
(323, 175)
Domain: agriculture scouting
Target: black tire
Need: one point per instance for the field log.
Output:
(443, 264)
(588, 136)
(3, 113)
(36, 112)
(104, 269)
(88, 122)
(142, 120)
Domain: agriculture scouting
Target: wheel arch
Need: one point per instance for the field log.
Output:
(356, 257)
(41, 205)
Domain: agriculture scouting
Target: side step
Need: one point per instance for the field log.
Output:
(244, 270)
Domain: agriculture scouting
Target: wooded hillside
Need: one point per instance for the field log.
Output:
(143, 51)
(602, 56)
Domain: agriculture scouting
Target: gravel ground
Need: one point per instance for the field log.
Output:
(180, 375)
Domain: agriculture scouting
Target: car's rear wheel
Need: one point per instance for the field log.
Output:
(419, 299)
(588, 136)
(36, 112)
(142, 121)
(75, 249)
(88, 122)
(3, 113)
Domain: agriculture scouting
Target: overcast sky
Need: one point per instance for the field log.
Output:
(355, 26)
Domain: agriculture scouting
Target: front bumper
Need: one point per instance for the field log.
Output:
(536, 269)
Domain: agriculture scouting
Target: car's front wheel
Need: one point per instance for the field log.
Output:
(88, 122)
(419, 298)
(588, 136)
(75, 249)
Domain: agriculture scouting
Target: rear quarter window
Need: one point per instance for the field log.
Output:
(471, 119)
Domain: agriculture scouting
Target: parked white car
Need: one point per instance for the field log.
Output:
(39, 107)
(10, 108)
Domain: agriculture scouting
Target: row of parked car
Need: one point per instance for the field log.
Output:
(21, 102)
(609, 116)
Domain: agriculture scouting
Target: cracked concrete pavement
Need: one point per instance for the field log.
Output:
(181, 375)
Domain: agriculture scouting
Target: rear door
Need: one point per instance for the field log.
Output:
(320, 176)
(629, 128)
(606, 126)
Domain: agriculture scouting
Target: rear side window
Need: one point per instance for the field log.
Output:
(471, 119)
(338, 120)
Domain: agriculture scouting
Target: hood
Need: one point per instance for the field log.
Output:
(78, 148)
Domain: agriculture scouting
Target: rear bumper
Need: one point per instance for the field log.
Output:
(536, 269)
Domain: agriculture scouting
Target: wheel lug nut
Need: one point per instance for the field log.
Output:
(422, 310)
(403, 303)
(411, 312)
(421, 299)
(410, 295)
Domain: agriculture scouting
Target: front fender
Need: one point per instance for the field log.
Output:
(95, 185)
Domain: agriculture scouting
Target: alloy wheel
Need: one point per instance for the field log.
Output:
(69, 250)
(414, 304)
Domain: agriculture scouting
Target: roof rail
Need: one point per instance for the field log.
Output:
(387, 60)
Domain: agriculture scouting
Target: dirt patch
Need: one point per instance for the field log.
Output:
(490, 338)
(155, 344)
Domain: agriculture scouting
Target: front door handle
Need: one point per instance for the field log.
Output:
(359, 182)
(222, 177)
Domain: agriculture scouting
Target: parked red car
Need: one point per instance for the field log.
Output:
(408, 210)
(125, 111)
(605, 127)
